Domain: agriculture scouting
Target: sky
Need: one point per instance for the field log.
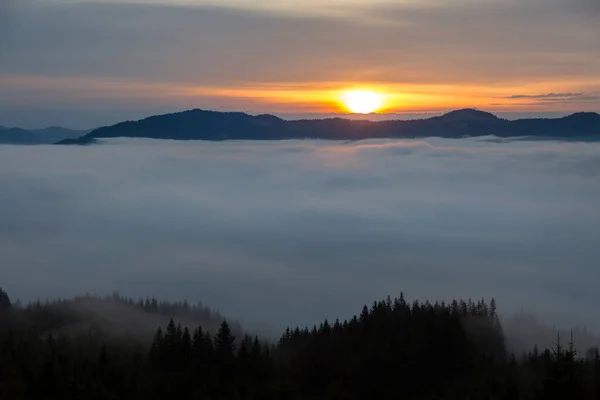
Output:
(86, 63)
(292, 232)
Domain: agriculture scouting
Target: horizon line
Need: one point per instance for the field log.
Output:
(371, 117)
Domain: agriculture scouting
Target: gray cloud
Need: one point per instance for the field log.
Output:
(204, 44)
(556, 98)
(490, 44)
(6, 7)
(551, 96)
(296, 231)
(458, 42)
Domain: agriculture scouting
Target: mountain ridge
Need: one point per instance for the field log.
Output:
(209, 125)
(48, 135)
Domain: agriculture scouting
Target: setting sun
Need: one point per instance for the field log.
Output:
(362, 102)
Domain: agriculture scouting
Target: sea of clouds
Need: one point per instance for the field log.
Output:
(292, 232)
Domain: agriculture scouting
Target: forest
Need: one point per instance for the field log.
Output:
(391, 349)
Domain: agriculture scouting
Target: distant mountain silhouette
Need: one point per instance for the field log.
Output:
(48, 135)
(212, 125)
(16, 136)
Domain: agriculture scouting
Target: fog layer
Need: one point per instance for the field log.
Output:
(296, 231)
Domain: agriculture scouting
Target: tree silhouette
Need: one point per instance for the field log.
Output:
(394, 349)
(5, 303)
(224, 342)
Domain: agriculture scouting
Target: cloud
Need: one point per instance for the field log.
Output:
(556, 98)
(354, 9)
(494, 48)
(296, 231)
(6, 7)
(551, 96)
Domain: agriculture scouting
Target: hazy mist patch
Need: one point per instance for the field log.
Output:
(296, 231)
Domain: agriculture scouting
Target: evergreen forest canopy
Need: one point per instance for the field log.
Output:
(392, 349)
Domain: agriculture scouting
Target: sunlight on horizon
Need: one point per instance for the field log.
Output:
(363, 101)
(276, 97)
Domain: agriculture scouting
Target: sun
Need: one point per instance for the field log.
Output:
(362, 101)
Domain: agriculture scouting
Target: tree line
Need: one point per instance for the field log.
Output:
(391, 349)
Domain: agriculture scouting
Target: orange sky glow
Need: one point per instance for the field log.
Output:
(310, 97)
(133, 58)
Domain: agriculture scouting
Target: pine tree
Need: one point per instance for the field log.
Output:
(5, 303)
(186, 341)
(198, 341)
(224, 347)
(245, 346)
(209, 344)
(364, 315)
(493, 308)
(256, 349)
(171, 343)
(157, 342)
(178, 333)
(154, 306)
(202, 349)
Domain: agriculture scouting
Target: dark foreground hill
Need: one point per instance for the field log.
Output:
(48, 135)
(112, 317)
(212, 125)
(391, 350)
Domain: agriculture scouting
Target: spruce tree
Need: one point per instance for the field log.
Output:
(5, 303)
(224, 347)
(198, 341)
(186, 342)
